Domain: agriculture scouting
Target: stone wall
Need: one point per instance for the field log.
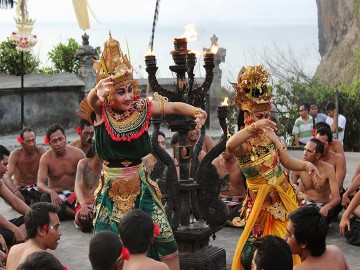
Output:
(48, 99)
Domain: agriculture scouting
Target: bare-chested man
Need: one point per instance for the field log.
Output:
(334, 159)
(306, 235)
(11, 231)
(42, 228)
(24, 166)
(193, 136)
(325, 194)
(150, 160)
(58, 166)
(235, 194)
(87, 180)
(86, 133)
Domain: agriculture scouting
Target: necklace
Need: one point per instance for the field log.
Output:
(127, 125)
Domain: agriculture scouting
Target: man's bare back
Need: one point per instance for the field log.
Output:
(20, 252)
(87, 179)
(141, 261)
(332, 259)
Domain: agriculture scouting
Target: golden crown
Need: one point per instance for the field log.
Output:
(251, 89)
(113, 62)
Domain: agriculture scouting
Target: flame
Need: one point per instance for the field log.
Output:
(190, 32)
(150, 98)
(149, 52)
(214, 49)
(225, 102)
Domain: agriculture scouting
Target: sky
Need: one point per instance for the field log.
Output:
(56, 22)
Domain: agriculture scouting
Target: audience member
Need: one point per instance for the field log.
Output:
(41, 260)
(24, 166)
(58, 168)
(137, 232)
(306, 234)
(335, 145)
(193, 136)
(106, 251)
(87, 179)
(303, 126)
(325, 194)
(235, 192)
(336, 121)
(350, 226)
(272, 253)
(150, 160)
(86, 134)
(42, 229)
(12, 231)
(351, 191)
(314, 112)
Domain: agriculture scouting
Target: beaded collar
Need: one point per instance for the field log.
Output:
(128, 125)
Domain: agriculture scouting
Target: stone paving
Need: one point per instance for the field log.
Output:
(73, 246)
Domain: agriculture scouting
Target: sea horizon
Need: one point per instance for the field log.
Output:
(245, 42)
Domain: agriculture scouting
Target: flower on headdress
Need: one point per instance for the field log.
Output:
(125, 254)
(78, 130)
(46, 227)
(156, 230)
(313, 131)
(66, 268)
(46, 140)
(19, 139)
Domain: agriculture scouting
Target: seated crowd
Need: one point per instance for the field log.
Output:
(47, 186)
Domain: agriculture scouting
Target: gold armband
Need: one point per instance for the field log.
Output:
(252, 129)
(162, 102)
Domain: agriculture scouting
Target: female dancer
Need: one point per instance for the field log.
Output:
(270, 197)
(121, 140)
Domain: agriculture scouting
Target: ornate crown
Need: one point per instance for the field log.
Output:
(113, 62)
(251, 89)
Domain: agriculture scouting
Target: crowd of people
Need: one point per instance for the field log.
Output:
(101, 181)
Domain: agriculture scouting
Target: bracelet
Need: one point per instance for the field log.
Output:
(282, 149)
(162, 102)
(251, 129)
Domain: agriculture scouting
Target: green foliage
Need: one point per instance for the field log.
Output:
(10, 59)
(290, 94)
(63, 57)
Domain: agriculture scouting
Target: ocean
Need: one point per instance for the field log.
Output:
(246, 42)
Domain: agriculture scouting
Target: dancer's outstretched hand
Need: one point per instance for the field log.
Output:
(103, 88)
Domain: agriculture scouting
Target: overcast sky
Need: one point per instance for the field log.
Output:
(109, 10)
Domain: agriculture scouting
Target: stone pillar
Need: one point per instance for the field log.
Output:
(215, 88)
(85, 54)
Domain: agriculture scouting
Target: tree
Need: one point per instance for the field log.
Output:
(63, 57)
(10, 59)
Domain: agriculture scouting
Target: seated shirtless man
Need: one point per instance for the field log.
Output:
(235, 193)
(58, 166)
(86, 134)
(325, 194)
(24, 166)
(86, 182)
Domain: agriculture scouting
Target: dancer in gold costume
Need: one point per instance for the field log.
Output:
(259, 152)
(121, 141)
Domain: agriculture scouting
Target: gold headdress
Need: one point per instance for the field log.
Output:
(113, 62)
(251, 89)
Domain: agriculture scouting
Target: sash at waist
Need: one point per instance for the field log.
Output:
(122, 163)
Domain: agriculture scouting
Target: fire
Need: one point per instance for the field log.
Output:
(225, 102)
(150, 98)
(190, 32)
(214, 49)
(149, 52)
